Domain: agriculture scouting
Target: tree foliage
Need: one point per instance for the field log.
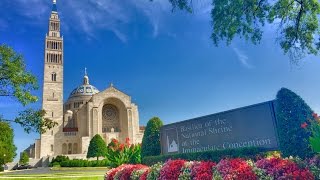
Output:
(97, 147)
(24, 158)
(7, 147)
(18, 83)
(151, 138)
(33, 120)
(15, 80)
(297, 22)
(291, 112)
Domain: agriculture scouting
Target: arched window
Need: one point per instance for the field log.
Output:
(54, 77)
(110, 118)
(64, 148)
(69, 148)
(75, 148)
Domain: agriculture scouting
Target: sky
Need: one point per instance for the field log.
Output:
(164, 60)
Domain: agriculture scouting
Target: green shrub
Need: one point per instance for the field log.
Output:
(291, 113)
(58, 160)
(215, 156)
(151, 138)
(84, 163)
(55, 164)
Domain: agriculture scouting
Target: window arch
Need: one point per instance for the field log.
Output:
(75, 148)
(70, 148)
(110, 118)
(64, 148)
(54, 77)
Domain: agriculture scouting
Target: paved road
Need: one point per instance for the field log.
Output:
(32, 171)
(47, 170)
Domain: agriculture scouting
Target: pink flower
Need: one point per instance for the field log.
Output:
(202, 170)
(171, 169)
(315, 115)
(127, 142)
(304, 125)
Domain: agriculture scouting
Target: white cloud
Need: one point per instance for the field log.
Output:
(156, 12)
(242, 57)
(92, 16)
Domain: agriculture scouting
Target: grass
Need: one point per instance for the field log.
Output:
(90, 173)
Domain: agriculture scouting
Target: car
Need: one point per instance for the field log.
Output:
(23, 167)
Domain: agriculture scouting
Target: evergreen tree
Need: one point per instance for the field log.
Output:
(151, 138)
(292, 112)
(7, 147)
(97, 147)
(24, 158)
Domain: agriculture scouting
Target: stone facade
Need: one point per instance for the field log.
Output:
(87, 111)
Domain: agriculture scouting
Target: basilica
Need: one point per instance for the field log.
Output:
(87, 111)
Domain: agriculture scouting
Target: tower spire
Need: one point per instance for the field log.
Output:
(54, 5)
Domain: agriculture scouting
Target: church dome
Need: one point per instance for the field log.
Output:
(85, 89)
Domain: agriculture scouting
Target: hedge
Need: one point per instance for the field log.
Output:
(291, 112)
(215, 156)
(64, 161)
(84, 163)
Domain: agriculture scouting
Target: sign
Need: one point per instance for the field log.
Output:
(251, 126)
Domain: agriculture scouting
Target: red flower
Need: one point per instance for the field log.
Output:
(202, 170)
(284, 169)
(121, 147)
(238, 169)
(171, 169)
(127, 142)
(115, 141)
(304, 125)
(124, 171)
(144, 175)
(315, 115)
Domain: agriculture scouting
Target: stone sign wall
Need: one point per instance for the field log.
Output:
(252, 126)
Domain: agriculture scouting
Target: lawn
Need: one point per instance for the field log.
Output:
(57, 173)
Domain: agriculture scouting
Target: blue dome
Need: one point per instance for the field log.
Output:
(84, 90)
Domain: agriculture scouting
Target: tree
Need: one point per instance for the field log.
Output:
(297, 22)
(17, 83)
(24, 158)
(151, 138)
(7, 147)
(291, 113)
(97, 147)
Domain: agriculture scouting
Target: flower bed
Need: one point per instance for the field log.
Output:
(226, 169)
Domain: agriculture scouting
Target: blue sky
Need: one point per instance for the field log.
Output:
(165, 61)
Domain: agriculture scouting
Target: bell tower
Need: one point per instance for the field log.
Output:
(52, 99)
